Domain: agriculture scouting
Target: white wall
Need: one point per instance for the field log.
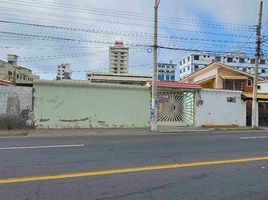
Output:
(215, 109)
(264, 87)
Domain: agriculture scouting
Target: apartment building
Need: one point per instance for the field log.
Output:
(166, 71)
(236, 60)
(119, 56)
(11, 71)
(64, 72)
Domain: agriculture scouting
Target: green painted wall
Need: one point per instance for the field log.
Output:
(90, 106)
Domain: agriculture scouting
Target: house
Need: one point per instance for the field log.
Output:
(220, 76)
(223, 77)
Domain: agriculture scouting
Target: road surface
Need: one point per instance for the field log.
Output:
(159, 167)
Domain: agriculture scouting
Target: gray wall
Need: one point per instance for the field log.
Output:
(15, 107)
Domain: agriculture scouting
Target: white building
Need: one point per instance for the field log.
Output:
(119, 56)
(64, 71)
(166, 71)
(15, 73)
(240, 61)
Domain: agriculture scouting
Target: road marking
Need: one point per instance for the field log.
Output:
(129, 170)
(256, 137)
(43, 147)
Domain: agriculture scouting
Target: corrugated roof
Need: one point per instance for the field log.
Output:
(260, 96)
(176, 84)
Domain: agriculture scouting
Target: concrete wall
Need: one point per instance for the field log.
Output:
(264, 87)
(212, 108)
(80, 104)
(15, 107)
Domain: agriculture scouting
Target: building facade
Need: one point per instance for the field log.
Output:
(119, 56)
(64, 72)
(239, 61)
(11, 71)
(166, 71)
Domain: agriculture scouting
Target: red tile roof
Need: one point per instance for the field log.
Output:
(175, 84)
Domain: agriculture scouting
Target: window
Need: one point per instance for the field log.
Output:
(188, 58)
(262, 71)
(249, 83)
(172, 78)
(196, 57)
(229, 59)
(262, 62)
(231, 99)
(183, 69)
(196, 67)
(217, 58)
(241, 60)
(18, 76)
(10, 73)
(252, 61)
(188, 68)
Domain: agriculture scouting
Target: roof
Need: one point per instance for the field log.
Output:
(221, 65)
(260, 96)
(235, 77)
(6, 83)
(176, 84)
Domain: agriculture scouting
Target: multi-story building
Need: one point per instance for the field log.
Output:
(64, 71)
(119, 56)
(11, 71)
(166, 71)
(239, 61)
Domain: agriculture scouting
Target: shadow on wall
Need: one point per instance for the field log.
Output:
(15, 118)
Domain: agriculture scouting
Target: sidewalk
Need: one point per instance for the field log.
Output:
(114, 132)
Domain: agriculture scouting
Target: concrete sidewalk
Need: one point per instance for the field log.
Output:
(120, 132)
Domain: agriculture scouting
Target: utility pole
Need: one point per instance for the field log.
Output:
(154, 83)
(256, 74)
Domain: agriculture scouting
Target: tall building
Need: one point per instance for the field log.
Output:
(11, 71)
(64, 71)
(166, 71)
(119, 58)
(240, 61)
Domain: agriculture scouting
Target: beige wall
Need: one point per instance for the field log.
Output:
(84, 105)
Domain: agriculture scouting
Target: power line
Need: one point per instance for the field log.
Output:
(117, 13)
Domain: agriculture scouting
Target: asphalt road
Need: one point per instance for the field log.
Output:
(84, 167)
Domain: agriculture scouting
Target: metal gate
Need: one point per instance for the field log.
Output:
(175, 108)
(263, 114)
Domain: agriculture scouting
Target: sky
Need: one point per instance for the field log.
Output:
(93, 26)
